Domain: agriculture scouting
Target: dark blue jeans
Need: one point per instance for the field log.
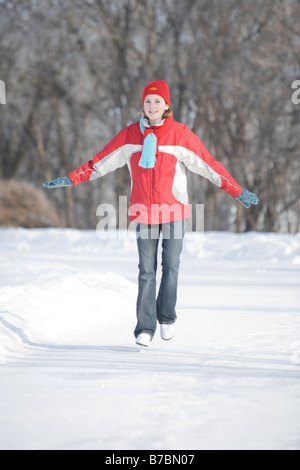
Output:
(149, 308)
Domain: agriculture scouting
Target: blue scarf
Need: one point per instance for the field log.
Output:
(150, 145)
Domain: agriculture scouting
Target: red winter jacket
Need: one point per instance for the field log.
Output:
(160, 194)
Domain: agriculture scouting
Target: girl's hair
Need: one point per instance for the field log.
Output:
(167, 113)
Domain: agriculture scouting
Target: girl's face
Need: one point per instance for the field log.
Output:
(154, 107)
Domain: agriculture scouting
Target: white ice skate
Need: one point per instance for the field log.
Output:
(143, 340)
(166, 331)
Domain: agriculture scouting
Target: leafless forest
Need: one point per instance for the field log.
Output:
(74, 72)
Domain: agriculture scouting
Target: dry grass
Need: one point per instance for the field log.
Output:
(23, 205)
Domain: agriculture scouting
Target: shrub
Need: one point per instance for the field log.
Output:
(23, 205)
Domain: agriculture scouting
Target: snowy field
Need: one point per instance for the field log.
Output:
(71, 376)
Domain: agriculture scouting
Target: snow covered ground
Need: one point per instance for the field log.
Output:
(71, 376)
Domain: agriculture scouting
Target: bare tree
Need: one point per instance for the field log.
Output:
(75, 71)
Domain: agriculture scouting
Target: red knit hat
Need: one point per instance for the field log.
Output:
(157, 87)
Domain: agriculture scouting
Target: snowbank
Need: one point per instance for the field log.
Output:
(252, 247)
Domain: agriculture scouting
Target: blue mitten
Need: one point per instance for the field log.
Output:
(58, 183)
(247, 198)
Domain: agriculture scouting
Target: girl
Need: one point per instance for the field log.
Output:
(158, 152)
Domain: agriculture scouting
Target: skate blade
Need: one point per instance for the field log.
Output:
(142, 346)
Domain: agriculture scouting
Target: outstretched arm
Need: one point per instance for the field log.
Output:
(113, 156)
(198, 159)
